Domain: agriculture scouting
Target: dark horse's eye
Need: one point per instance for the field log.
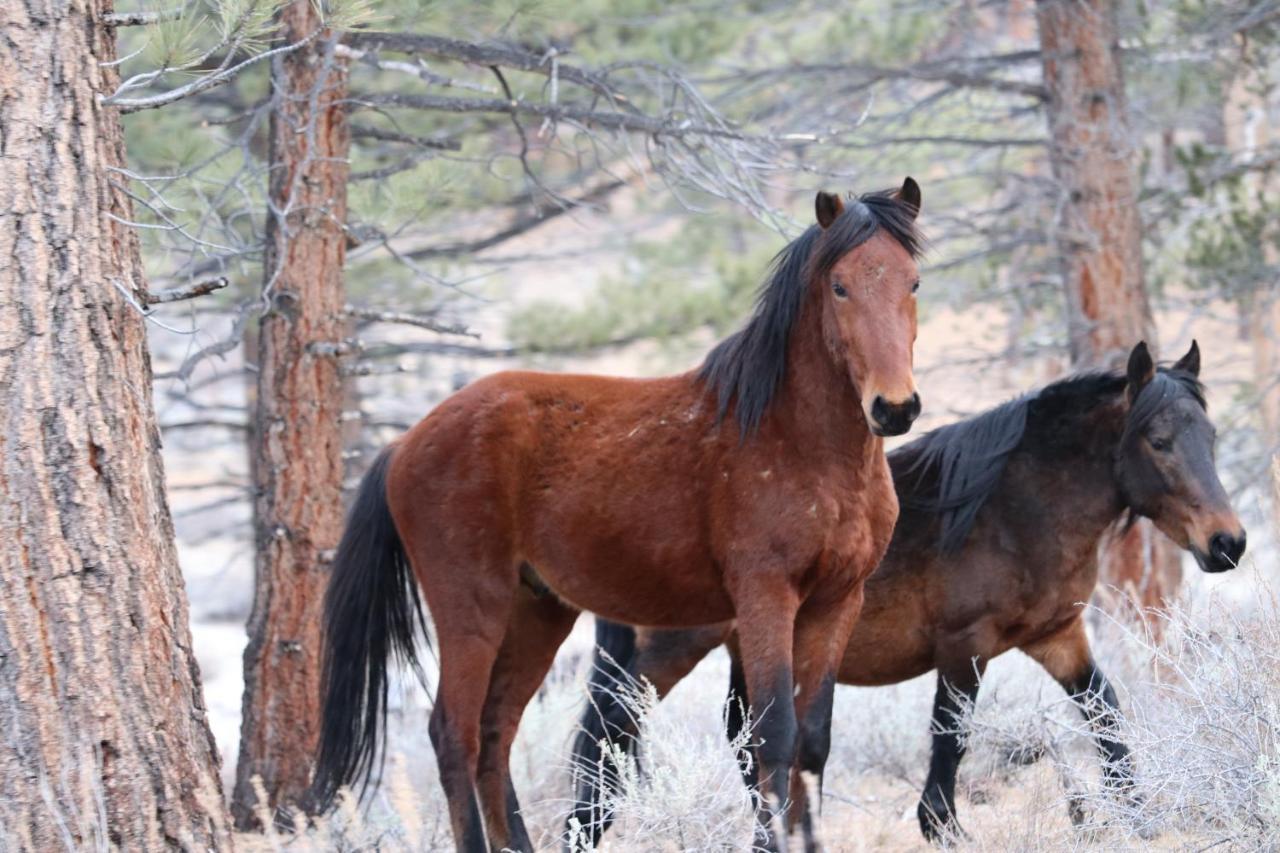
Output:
(1162, 445)
(838, 289)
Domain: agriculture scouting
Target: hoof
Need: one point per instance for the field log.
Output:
(938, 823)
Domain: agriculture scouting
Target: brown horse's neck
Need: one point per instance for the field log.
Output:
(818, 407)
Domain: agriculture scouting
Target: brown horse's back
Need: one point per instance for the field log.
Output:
(519, 458)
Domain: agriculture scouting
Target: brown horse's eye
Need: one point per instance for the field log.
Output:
(916, 286)
(838, 289)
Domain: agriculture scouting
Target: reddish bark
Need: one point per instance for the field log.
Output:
(106, 739)
(1099, 233)
(297, 441)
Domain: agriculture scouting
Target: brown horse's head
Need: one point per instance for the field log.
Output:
(869, 301)
(1165, 464)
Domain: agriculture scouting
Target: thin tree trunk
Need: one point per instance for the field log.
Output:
(1099, 233)
(296, 453)
(1246, 125)
(104, 731)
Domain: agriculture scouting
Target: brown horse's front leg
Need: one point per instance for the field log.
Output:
(766, 622)
(822, 631)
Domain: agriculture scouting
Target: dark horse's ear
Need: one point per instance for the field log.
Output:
(1190, 363)
(828, 207)
(910, 195)
(1141, 369)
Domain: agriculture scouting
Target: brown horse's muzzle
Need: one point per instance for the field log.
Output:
(894, 418)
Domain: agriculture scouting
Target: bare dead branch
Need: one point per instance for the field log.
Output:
(489, 54)
(189, 291)
(521, 225)
(365, 131)
(203, 83)
(140, 19)
(419, 320)
(671, 126)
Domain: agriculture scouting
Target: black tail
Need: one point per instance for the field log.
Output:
(372, 613)
(606, 718)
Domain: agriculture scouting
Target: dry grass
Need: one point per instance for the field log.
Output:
(1202, 716)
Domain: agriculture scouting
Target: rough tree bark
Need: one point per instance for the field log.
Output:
(104, 730)
(1099, 234)
(297, 441)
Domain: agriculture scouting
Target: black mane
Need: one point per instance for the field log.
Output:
(954, 469)
(746, 369)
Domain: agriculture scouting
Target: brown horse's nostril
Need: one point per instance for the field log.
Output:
(1225, 548)
(894, 418)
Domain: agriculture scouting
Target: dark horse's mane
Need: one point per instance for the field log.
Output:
(746, 369)
(954, 469)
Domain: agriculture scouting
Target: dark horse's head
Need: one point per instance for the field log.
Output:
(1165, 462)
(858, 264)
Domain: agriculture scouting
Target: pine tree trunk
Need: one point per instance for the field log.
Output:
(297, 438)
(105, 736)
(1099, 233)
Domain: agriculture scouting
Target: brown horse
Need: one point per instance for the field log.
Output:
(755, 489)
(996, 548)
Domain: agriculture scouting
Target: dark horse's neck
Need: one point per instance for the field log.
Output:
(1060, 442)
(1072, 437)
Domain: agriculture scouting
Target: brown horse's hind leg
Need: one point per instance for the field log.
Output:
(539, 623)
(1067, 657)
(470, 606)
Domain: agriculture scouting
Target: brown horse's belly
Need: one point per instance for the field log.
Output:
(644, 595)
(650, 569)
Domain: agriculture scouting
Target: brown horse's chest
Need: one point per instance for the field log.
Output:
(857, 517)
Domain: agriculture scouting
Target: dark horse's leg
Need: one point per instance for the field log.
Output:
(538, 624)
(958, 684)
(735, 716)
(1067, 657)
(623, 657)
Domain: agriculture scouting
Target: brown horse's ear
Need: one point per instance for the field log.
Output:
(828, 206)
(1190, 363)
(910, 195)
(1142, 369)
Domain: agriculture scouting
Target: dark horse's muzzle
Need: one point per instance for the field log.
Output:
(1225, 551)
(894, 418)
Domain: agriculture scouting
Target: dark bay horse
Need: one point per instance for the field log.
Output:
(755, 488)
(995, 549)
